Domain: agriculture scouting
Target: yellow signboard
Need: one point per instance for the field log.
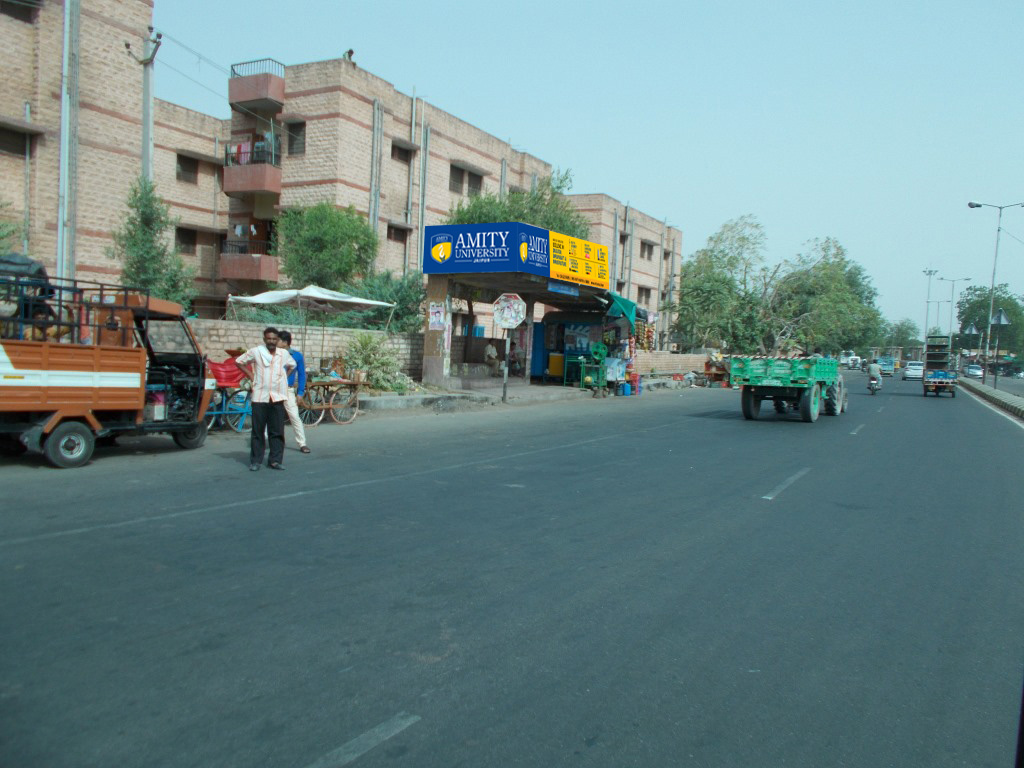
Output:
(578, 261)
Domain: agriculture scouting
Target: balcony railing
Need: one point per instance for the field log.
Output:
(258, 67)
(258, 247)
(253, 153)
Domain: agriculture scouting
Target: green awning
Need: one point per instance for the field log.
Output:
(620, 306)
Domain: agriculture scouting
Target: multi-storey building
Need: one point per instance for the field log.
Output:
(298, 135)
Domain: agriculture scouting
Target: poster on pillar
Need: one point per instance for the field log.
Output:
(514, 247)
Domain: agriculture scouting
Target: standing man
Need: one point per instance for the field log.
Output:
(267, 367)
(296, 387)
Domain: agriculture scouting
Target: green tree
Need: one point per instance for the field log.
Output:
(143, 244)
(972, 307)
(904, 333)
(325, 246)
(545, 207)
(407, 293)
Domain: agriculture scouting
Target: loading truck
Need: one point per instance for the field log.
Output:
(804, 384)
(939, 376)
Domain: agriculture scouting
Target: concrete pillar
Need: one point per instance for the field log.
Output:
(437, 344)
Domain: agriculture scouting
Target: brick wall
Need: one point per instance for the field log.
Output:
(668, 362)
(217, 336)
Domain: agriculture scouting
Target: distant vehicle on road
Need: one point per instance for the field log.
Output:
(888, 365)
(974, 371)
(853, 363)
(914, 369)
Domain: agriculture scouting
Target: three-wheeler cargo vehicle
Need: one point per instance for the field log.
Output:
(804, 384)
(939, 376)
(81, 361)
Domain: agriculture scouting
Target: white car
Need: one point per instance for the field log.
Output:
(974, 371)
(913, 370)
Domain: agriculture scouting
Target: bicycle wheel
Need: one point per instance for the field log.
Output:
(238, 411)
(215, 409)
(312, 411)
(344, 406)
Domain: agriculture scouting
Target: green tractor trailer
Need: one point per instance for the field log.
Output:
(804, 384)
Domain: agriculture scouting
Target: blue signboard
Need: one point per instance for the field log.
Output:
(505, 247)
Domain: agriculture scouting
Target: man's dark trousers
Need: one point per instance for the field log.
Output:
(269, 418)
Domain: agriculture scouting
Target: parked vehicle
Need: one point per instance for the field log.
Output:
(938, 376)
(914, 369)
(807, 384)
(974, 371)
(82, 360)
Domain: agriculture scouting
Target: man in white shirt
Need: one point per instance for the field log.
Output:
(267, 367)
(491, 358)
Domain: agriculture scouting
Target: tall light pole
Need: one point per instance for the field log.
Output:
(952, 287)
(992, 288)
(927, 303)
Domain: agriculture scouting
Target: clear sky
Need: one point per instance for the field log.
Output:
(870, 121)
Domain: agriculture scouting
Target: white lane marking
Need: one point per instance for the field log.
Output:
(295, 494)
(785, 484)
(858, 429)
(360, 745)
(991, 407)
(880, 409)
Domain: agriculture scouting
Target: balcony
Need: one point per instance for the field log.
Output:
(248, 260)
(257, 85)
(253, 166)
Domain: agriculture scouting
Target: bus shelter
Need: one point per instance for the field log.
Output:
(479, 262)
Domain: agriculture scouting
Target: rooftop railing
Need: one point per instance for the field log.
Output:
(258, 67)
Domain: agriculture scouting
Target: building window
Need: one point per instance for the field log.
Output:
(296, 138)
(475, 183)
(398, 234)
(22, 10)
(185, 240)
(646, 250)
(401, 154)
(12, 142)
(455, 179)
(622, 240)
(643, 296)
(188, 170)
(620, 286)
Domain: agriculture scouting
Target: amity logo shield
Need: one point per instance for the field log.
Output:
(524, 250)
(441, 248)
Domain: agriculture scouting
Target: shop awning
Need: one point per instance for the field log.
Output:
(620, 306)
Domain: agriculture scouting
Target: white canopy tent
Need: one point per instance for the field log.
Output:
(314, 298)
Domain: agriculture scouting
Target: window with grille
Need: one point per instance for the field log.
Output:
(401, 154)
(188, 170)
(643, 296)
(397, 234)
(647, 250)
(22, 10)
(474, 182)
(455, 179)
(185, 240)
(296, 138)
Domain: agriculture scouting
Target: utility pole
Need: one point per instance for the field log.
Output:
(67, 183)
(150, 47)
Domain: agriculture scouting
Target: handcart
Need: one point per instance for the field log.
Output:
(331, 394)
(231, 401)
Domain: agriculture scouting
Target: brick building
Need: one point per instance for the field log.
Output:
(298, 135)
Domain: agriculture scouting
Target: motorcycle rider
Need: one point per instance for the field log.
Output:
(875, 372)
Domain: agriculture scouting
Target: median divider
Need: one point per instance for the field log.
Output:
(1010, 403)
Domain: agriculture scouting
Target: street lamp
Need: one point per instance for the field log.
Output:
(952, 287)
(999, 320)
(927, 302)
(992, 288)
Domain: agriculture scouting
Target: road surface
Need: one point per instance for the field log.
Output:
(646, 581)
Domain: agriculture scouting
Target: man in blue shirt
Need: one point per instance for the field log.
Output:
(296, 386)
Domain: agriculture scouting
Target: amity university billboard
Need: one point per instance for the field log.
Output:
(513, 247)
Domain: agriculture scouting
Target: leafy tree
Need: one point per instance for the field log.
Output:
(904, 333)
(972, 307)
(325, 246)
(406, 293)
(144, 246)
(545, 207)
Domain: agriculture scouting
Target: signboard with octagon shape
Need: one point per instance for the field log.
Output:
(509, 311)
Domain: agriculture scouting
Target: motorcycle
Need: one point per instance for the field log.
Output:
(874, 384)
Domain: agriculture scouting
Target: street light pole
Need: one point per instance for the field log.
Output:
(927, 303)
(992, 287)
(952, 287)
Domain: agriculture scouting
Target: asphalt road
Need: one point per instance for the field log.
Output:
(646, 581)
